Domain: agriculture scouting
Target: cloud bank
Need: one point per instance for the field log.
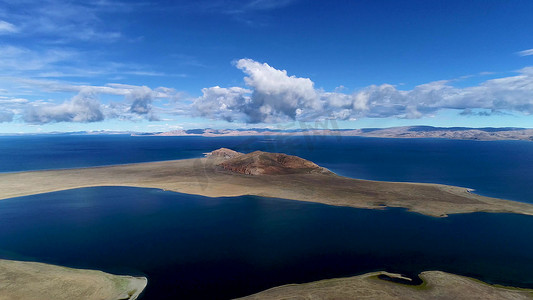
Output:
(274, 96)
(83, 107)
(271, 95)
(86, 107)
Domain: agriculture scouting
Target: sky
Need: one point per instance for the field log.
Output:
(166, 65)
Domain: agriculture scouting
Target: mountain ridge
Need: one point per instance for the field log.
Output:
(459, 133)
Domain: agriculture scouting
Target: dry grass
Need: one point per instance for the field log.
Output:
(437, 285)
(31, 280)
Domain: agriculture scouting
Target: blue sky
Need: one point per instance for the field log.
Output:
(164, 65)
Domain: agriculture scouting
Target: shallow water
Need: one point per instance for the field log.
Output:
(194, 247)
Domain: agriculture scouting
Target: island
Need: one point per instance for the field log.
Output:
(33, 280)
(384, 286)
(227, 173)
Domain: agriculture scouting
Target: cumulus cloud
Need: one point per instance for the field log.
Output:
(141, 100)
(230, 104)
(137, 103)
(83, 107)
(274, 96)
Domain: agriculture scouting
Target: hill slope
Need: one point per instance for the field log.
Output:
(266, 163)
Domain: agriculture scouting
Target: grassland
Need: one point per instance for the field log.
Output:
(32, 280)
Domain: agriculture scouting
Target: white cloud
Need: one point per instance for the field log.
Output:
(141, 101)
(235, 6)
(61, 21)
(6, 27)
(83, 107)
(228, 104)
(526, 52)
(5, 101)
(14, 60)
(10, 107)
(271, 96)
(51, 62)
(275, 96)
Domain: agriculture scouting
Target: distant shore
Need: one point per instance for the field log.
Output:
(203, 177)
(325, 129)
(329, 128)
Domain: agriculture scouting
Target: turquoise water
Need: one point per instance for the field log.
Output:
(193, 247)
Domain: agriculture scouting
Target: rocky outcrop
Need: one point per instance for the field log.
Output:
(224, 153)
(265, 163)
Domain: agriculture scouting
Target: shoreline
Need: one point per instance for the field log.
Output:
(435, 285)
(36, 280)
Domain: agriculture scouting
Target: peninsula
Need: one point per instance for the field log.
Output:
(33, 280)
(435, 285)
(225, 173)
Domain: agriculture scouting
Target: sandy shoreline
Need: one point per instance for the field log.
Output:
(202, 177)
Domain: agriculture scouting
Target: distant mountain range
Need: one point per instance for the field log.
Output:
(461, 133)
(458, 133)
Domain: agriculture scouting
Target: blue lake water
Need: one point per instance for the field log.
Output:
(193, 247)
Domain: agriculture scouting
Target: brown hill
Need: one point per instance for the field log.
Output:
(223, 153)
(266, 163)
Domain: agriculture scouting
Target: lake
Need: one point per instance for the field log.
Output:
(194, 247)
